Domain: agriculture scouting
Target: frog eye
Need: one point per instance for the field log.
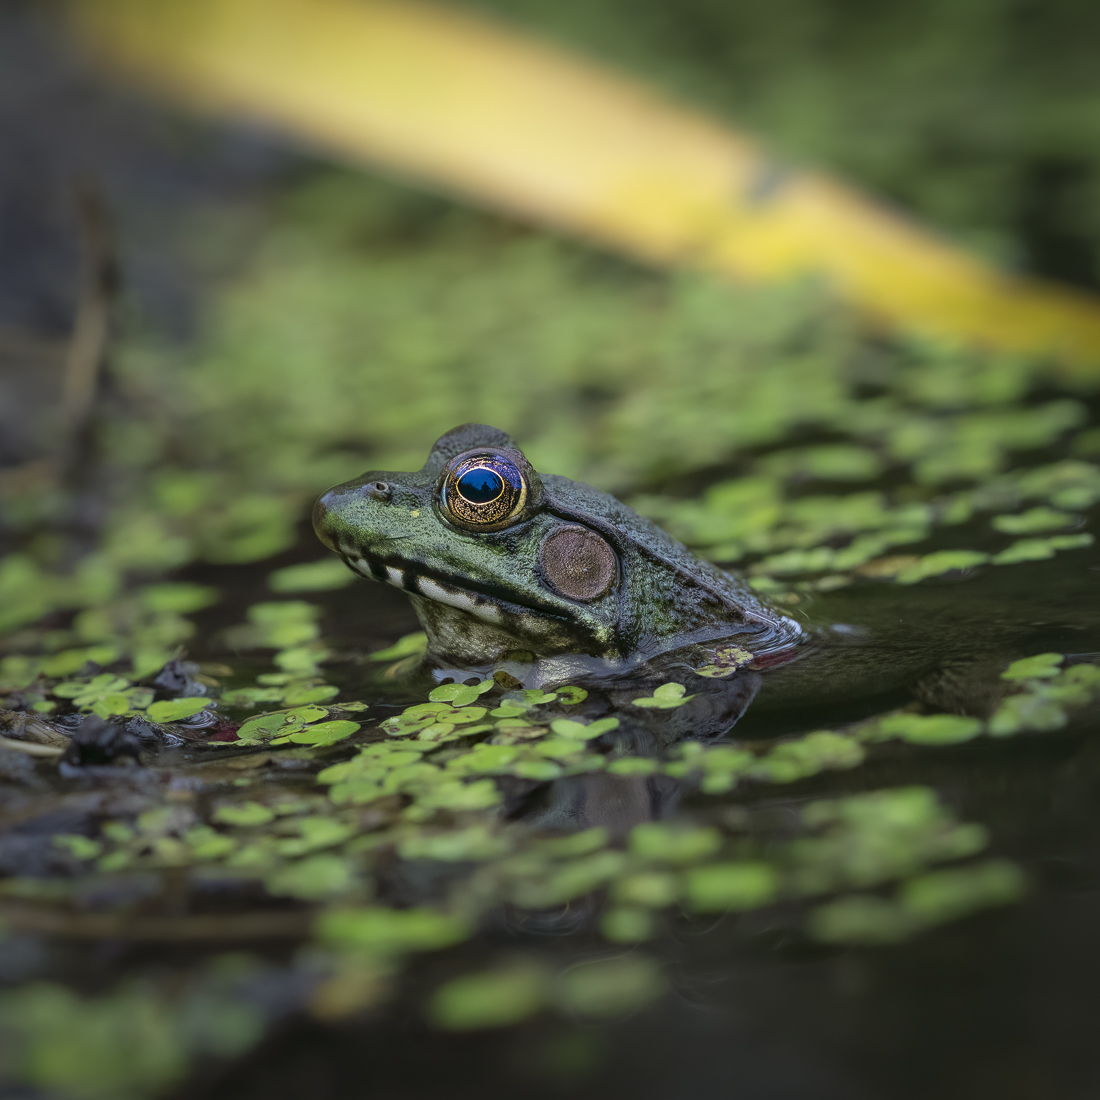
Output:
(485, 490)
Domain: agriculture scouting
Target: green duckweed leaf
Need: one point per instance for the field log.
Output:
(173, 710)
(1034, 521)
(558, 748)
(540, 770)
(575, 844)
(208, 844)
(724, 760)
(460, 695)
(673, 843)
(18, 671)
(109, 705)
(80, 847)
(720, 886)
(475, 843)
(942, 561)
(622, 924)
(311, 576)
(319, 694)
(245, 815)
(1025, 550)
(406, 646)
(648, 889)
(725, 662)
(264, 725)
(941, 896)
(861, 918)
(311, 879)
(69, 661)
(1071, 542)
(809, 755)
(1041, 549)
(1018, 713)
(610, 987)
(528, 698)
(324, 733)
(493, 998)
(932, 729)
(89, 690)
(251, 697)
(570, 880)
(508, 710)
(123, 1045)
(666, 697)
(633, 765)
(873, 838)
(570, 695)
(1043, 666)
(485, 759)
(829, 461)
(580, 731)
(305, 714)
(466, 714)
(358, 791)
(315, 833)
(479, 795)
(179, 597)
(390, 931)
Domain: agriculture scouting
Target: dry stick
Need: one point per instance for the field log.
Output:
(84, 359)
(80, 472)
(91, 331)
(49, 921)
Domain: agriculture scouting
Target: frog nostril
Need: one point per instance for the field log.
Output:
(380, 491)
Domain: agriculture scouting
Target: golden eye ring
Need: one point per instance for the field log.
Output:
(487, 490)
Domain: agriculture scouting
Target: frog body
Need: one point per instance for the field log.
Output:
(542, 574)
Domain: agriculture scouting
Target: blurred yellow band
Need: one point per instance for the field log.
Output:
(512, 122)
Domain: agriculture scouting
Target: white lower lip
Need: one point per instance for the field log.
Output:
(453, 597)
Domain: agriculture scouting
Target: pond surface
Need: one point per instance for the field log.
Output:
(743, 991)
(250, 848)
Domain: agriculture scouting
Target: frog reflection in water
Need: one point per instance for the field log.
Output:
(545, 580)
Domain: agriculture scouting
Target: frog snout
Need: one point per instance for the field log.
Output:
(321, 509)
(329, 506)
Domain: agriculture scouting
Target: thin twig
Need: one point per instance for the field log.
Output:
(91, 331)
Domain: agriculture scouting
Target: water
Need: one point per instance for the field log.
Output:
(206, 980)
(996, 1003)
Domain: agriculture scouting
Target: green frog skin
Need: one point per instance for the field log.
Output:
(558, 578)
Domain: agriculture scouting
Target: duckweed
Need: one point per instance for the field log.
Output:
(666, 697)
(492, 998)
(395, 830)
(718, 887)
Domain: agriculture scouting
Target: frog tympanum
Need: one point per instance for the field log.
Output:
(542, 575)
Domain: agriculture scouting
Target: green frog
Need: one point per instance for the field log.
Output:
(543, 577)
(542, 581)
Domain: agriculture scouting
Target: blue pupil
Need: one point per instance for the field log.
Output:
(480, 486)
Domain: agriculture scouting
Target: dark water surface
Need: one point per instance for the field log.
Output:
(1002, 1003)
(999, 1004)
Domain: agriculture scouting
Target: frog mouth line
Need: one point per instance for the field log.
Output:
(482, 601)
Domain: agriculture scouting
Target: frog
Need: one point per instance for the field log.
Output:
(542, 577)
(537, 580)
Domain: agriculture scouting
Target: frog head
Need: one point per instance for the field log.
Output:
(497, 559)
